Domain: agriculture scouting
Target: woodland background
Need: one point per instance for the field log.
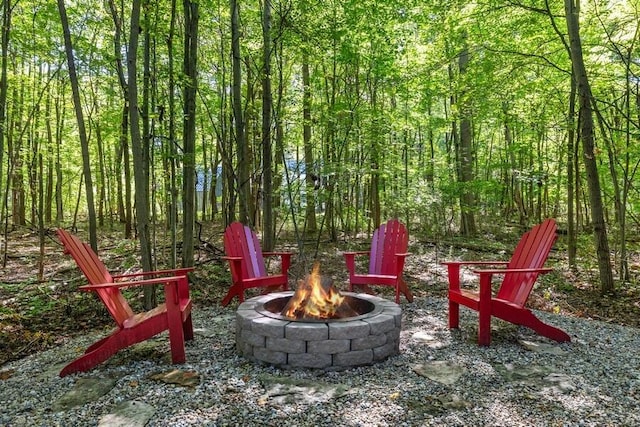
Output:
(315, 121)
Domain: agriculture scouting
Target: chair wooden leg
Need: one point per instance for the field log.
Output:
(484, 327)
(402, 285)
(528, 319)
(90, 359)
(234, 290)
(187, 328)
(454, 315)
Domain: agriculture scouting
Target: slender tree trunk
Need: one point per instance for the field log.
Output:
(171, 148)
(242, 165)
(310, 223)
(466, 155)
(122, 152)
(145, 142)
(84, 143)
(6, 31)
(374, 184)
(140, 178)
(189, 129)
(48, 197)
(572, 8)
(60, 115)
(268, 237)
(571, 190)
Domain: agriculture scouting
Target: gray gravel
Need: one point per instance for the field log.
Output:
(521, 380)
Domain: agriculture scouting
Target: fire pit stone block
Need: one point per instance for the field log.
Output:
(306, 331)
(269, 327)
(286, 345)
(328, 345)
(381, 324)
(270, 356)
(351, 330)
(354, 358)
(372, 341)
(310, 360)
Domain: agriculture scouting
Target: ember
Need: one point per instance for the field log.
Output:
(317, 298)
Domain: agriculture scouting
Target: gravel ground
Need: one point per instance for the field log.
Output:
(521, 380)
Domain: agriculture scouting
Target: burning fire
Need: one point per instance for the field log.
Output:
(316, 298)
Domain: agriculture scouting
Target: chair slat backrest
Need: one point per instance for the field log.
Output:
(96, 273)
(389, 239)
(241, 241)
(531, 252)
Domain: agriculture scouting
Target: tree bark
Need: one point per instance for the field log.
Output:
(572, 8)
(171, 151)
(122, 152)
(189, 129)
(310, 210)
(242, 152)
(82, 133)
(140, 180)
(465, 155)
(268, 236)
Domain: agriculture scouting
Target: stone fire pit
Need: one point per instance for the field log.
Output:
(264, 335)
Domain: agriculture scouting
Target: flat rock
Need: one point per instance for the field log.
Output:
(178, 377)
(544, 348)
(128, 414)
(429, 340)
(440, 371)
(283, 390)
(85, 390)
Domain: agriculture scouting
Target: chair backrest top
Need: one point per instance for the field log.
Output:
(241, 241)
(388, 240)
(532, 251)
(96, 273)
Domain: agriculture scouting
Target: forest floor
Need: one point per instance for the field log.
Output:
(36, 314)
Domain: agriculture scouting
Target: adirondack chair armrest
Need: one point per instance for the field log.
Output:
(172, 272)
(354, 253)
(276, 254)
(146, 282)
(453, 270)
(514, 270)
(350, 260)
(285, 258)
(471, 263)
(486, 277)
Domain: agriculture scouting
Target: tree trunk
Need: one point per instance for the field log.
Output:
(6, 31)
(84, 144)
(242, 164)
(122, 152)
(587, 137)
(466, 155)
(310, 210)
(268, 236)
(571, 189)
(189, 129)
(170, 146)
(140, 178)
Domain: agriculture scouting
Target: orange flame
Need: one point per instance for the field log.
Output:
(314, 298)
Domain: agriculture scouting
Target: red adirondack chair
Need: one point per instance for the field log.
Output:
(519, 276)
(174, 315)
(246, 262)
(386, 260)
